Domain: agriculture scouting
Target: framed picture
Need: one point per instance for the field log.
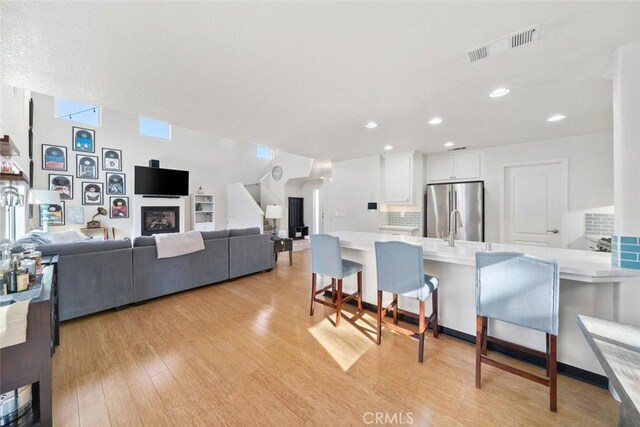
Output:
(52, 214)
(54, 157)
(118, 207)
(63, 184)
(92, 193)
(111, 159)
(115, 183)
(84, 140)
(86, 166)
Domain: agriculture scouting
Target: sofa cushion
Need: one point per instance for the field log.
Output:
(87, 246)
(37, 237)
(144, 241)
(209, 235)
(244, 231)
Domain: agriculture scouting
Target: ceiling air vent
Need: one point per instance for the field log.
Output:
(504, 44)
(458, 149)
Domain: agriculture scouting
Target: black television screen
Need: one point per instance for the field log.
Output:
(161, 182)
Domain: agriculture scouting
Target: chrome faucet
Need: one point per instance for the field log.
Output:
(453, 226)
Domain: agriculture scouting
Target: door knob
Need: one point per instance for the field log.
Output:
(554, 231)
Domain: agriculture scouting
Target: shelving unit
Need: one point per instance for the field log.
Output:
(203, 212)
(8, 151)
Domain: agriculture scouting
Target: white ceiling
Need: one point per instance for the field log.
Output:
(306, 76)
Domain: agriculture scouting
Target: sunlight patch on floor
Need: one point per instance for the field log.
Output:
(350, 341)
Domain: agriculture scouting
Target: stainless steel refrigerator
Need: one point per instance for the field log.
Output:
(467, 197)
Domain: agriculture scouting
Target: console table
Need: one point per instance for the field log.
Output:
(617, 348)
(30, 362)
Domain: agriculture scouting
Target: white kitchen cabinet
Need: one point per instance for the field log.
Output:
(398, 178)
(454, 167)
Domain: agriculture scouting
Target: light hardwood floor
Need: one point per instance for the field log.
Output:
(246, 352)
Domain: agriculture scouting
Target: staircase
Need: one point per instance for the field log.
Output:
(254, 190)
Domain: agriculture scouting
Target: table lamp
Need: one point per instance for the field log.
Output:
(44, 197)
(274, 212)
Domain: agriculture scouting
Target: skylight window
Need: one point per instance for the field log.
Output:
(265, 152)
(77, 112)
(154, 128)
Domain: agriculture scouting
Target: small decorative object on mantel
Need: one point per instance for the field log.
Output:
(200, 190)
(95, 223)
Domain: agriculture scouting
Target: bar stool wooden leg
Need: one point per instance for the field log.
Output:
(434, 322)
(421, 328)
(379, 316)
(547, 352)
(479, 341)
(359, 291)
(553, 376)
(339, 303)
(395, 309)
(313, 292)
(334, 296)
(485, 324)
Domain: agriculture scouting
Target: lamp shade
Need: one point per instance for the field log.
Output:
(43, 197)
(273, 211)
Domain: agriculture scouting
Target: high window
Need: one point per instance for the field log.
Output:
(265, 152)
(154, 128)
(77, 112)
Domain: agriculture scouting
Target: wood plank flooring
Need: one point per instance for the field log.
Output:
(247, 352)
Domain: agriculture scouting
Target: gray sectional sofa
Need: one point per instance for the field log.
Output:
(103, 274)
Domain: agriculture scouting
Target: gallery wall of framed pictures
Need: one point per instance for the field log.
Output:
(98, 176)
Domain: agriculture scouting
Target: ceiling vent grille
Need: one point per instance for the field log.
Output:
(458, 149)
(504, 44)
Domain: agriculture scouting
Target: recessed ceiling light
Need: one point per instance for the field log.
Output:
(371, 125)
(556, 118)
(435, 121)
(449, 144)
(501, 91)
(388, 147)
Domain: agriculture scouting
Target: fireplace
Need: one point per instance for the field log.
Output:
(160, 219)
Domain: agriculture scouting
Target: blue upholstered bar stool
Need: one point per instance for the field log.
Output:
(521, 290)
(326, 260)
(401, 271)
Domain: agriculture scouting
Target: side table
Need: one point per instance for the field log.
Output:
(282, 245)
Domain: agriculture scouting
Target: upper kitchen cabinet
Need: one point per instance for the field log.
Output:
(447, 168)
(398, 178)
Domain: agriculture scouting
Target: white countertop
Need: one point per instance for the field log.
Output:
(398, 227)
(579, 265)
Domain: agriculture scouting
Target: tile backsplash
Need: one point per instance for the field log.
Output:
(625, 251)
(411, 219)
(597, 223)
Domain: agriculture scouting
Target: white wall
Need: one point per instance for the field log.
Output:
(212, 161)
(590, 178)
(354, 183)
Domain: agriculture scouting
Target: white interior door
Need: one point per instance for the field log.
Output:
(535, 204)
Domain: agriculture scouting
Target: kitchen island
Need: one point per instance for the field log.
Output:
(588, 285)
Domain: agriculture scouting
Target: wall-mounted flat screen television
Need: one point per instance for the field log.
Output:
(161, 182)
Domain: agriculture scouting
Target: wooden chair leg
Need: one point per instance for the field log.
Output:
(421, 328)
(395, 309)
(479, 341)
(333, 290)
(548, 338)
(359, 291)
(379, 316)
(339, 303)
(485, 325)
(313, 292)
(434, 322)
(553, 376)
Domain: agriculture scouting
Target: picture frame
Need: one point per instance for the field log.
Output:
(54, 157)
(118, 207)
(92, 193)
(83, 139)
(86, 166)
(53, 214)
(115, 183)
(111, 159)
(63, 184)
